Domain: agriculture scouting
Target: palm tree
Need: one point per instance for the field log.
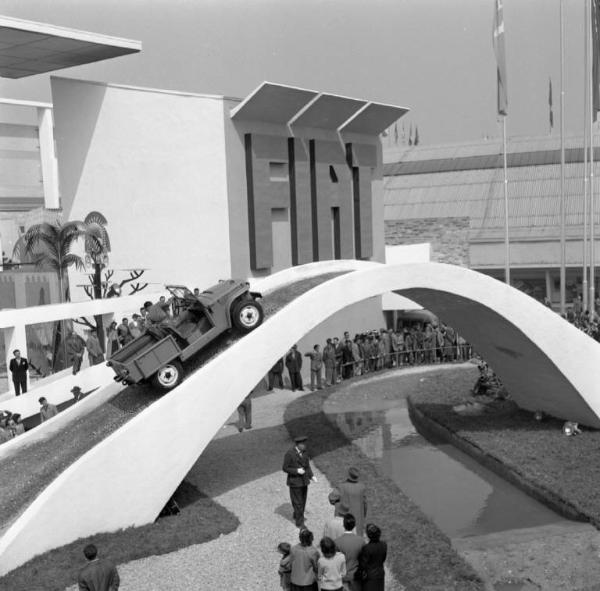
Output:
(49, 246)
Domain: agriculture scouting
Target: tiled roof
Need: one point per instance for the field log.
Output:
(445, 188)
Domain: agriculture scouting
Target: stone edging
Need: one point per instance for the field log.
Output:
(425, 425)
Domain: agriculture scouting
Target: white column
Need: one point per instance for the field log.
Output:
(548, 284)
(48, 158)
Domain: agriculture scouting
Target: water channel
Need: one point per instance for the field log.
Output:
(462, 497)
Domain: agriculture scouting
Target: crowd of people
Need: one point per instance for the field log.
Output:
(346, 561)
(588, 322)
(368, 352)
(117, 334)
(151, 314)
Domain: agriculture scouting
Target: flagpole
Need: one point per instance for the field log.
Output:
(563, 245)
(592, 283)
(506, 240)
(586, 83)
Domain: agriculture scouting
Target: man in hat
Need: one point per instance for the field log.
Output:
(77, 393)
(353, 494)
(299, 474)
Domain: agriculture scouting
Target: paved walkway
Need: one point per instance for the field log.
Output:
(243, 473)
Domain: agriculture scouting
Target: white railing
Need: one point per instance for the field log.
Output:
(14, 321)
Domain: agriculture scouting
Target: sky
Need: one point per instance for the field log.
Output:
(432, 56)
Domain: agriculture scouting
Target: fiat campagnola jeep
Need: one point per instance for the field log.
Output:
(158, 355)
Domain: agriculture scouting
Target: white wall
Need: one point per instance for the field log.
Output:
(153, 162)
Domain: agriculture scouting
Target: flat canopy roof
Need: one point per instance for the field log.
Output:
(28, 48)
(373, 118)
(299, 107)
(273, 103)
(328, 111)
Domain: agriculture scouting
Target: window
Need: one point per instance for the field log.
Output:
(278, 171)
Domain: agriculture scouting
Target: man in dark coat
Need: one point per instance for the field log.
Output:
(296, 465)
(275, 375)
(329, 361)
(353, 494)
(293, 361)
(18, 367)
(350, 544)
(98, 574)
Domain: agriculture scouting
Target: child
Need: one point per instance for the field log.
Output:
(285, 566)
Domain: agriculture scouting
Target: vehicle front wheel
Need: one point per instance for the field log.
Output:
(169, 376)
(247, 315)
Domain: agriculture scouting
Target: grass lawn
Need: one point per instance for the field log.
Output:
(200, 520)
(562, 471)
(33, 467)
(419, 554)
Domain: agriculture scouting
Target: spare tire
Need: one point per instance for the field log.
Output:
(247, 315)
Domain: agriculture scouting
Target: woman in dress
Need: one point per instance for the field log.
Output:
(371, 559)
(304, 557)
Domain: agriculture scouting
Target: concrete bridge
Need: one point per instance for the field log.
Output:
(546, 364)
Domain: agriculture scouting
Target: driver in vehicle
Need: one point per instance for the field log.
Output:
(157, 314)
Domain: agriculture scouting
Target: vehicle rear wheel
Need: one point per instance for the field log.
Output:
(247, 315)
(169, 376)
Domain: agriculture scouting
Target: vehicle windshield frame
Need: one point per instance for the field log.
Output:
(181, 292)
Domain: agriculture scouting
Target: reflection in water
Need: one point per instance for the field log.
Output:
(461, 496)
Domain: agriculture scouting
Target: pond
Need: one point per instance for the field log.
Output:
(462, 497)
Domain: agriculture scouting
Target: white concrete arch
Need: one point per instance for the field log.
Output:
(126, 479)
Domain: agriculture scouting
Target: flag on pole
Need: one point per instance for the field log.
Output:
(498, 42)
(595, 56)
(551, 114)
(416, 136)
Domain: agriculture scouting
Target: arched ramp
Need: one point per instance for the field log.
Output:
(126, 479)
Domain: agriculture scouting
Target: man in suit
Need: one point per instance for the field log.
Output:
(350, 544)
(98, 574)
(299, 474)
(316, 366)
(354, 495)
(293, 361)
(18, 367)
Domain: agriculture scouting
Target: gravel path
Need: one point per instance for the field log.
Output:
(243, 473)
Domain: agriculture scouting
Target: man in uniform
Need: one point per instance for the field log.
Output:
(299, 474)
